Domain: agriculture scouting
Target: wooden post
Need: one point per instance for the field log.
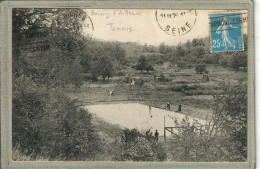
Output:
(164, 133)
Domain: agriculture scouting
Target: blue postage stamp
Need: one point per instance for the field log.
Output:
(226, 32)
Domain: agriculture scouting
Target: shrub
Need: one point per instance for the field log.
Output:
(159, 151)
(47, 124)
(120, 73)
(139, 150)
(141, 147)
(201, 68)
(162, 77)
(188, 90)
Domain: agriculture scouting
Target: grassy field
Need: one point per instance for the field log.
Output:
(185, 87)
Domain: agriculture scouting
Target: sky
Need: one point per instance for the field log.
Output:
(145, 27)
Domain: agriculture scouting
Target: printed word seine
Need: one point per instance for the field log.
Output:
(178, 30)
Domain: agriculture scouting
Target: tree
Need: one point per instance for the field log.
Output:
(76, 77)
(199, 51)
(61, 32)
(162, 48)
(143, 64)
(185, 142)
(197, 42)
(230, 115)
(104, 67)
(141, 146)
(119, 53)
(180, 51)
(188, 45)
(239, 60)
(149, 67)
(162, 77)
(223, 137)
(201, 68)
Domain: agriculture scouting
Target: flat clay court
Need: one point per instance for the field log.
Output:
(136, 115)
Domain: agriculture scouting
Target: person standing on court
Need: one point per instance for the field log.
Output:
(156, 134)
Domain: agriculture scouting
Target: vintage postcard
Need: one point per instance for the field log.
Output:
(124, 84)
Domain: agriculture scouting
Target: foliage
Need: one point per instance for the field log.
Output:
(185, 142)
(230, 113)
(223, 138)
(197, 51)
(60, 30)
(149, 67)
(239, 60)
(49, 125)
(141, 147)
(162, 77)
(104, 67)
(201, 68)
(45, 123)
(94, 50)
(143, 64)
(156, 58)
(139, 150)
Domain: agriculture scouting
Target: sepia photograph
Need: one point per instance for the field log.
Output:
(129, 84)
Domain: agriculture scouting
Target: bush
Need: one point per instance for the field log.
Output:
(141, 147)
(139, 150)
(182, 88)
(162, 78)
(159, 151)
(120, 73)
(188, 90)
(224, 138)
(46, 124)
(201, 68)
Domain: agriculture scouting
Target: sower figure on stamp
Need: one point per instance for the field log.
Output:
(224, 29)
(156, 134)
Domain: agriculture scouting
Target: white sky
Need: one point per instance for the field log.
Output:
(142, 27)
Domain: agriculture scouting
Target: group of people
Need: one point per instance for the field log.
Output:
(168, 106)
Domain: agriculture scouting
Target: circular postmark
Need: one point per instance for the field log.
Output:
(89, 27)
(76, 33)
(176, 22)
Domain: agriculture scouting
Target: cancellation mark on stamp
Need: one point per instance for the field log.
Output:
(226, 32)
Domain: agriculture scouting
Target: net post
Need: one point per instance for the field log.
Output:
(164, 133)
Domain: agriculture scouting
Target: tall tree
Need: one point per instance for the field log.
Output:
(143, 64)
(104, 67)
(162, 48)
(54, 38)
